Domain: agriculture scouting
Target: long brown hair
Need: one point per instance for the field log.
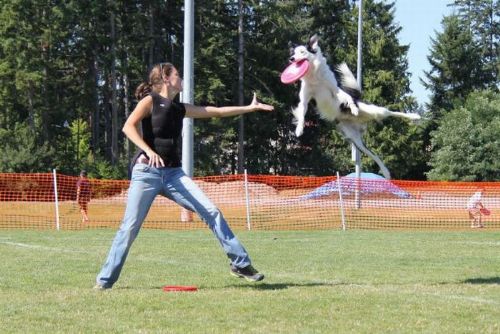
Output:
(155, 80)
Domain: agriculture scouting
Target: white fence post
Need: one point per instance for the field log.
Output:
(341, 202)
(247, 199)
(56, 202)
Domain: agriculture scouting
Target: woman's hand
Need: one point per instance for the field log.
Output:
(256, 105)
(154, 159)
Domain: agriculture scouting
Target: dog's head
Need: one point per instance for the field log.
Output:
(302, 58)
(308, 51)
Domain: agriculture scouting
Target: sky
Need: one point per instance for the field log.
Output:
(420, 21)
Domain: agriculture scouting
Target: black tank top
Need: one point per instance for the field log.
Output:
(162, 131)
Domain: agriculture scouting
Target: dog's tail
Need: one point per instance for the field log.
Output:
(347, 81)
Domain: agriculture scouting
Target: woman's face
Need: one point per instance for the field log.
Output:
(175, 80)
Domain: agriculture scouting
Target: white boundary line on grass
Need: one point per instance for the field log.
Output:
(480, 243)
(396, 290)
(31, 246)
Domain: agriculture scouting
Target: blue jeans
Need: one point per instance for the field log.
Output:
(148, 182)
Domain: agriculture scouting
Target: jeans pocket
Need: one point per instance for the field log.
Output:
(141, 168)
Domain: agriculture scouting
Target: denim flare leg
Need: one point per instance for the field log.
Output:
(148, 182)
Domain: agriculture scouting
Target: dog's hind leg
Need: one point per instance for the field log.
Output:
(353, 133)
(379, 113)
(300, 111)
(412, 116)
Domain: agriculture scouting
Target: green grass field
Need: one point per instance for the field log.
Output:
(316, 282)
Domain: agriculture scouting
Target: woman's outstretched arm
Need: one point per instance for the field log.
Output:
(208, 112)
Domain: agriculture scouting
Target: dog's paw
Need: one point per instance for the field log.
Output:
(354, 109)
(299, 130)
(413, 116)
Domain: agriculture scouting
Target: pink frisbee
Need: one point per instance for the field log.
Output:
(295, 71)
(485, 211)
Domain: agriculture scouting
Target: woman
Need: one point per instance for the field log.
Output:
(83, 193)
(157, 170)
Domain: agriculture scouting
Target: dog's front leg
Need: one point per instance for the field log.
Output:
(347, 99)
(300, 111)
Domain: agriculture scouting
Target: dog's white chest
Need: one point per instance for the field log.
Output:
(327, 105)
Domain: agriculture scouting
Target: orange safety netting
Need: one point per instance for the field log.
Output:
(273, 202)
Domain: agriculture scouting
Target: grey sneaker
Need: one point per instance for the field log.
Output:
(100, 287)
(249, 273)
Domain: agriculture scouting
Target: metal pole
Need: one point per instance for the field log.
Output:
(360, 41)
(247, 200)
(187, 96)
(356, 153)
(56, 197)
(241, 59)
(342, 214)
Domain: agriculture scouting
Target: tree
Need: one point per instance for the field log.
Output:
(456, 67)
(57, 64)
(466, 145)
(216, 75)
(464, 58)
(482, 18)
(20, 151)
(23, 63)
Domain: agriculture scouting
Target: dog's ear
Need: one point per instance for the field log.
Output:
(314, 39)
(312, 46)
(291, 47)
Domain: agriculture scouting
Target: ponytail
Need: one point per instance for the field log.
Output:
(143, 90)
(155, 80)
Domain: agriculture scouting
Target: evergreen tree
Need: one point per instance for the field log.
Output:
(465, 56)
(455, 67)
(21, 152)
(215, 81)
(482, 18)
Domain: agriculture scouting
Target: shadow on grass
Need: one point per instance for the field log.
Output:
(481, 280)
(256, 286)
(279, 286)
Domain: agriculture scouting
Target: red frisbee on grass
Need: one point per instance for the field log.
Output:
(485, 211)
(180, 288)
(294, 71)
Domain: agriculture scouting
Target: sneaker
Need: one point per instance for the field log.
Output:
(101, 287)
(249, 273)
